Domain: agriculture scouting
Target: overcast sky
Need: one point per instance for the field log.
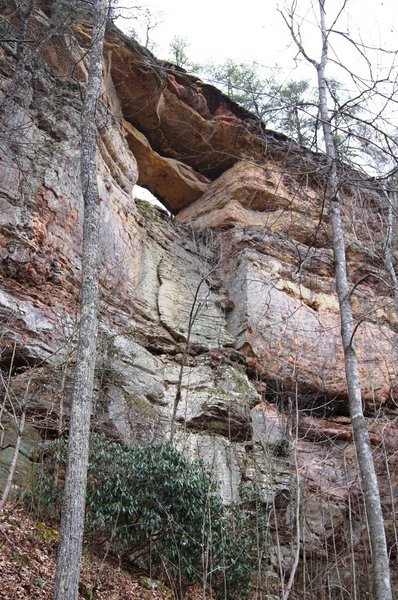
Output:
(254, 30)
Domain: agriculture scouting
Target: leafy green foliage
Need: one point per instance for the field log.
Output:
(362, 136)
(178, 55)
(294, 107)
(243, 85)
(160, 509)
(290, 107)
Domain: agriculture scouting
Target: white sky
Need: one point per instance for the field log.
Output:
(253, 30)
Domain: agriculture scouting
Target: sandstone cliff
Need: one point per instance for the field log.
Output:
(236, 287)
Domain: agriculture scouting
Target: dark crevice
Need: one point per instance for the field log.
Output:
(16, 362)
(221, 423)
(311, 401)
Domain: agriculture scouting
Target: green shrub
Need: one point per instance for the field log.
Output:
(161, 510)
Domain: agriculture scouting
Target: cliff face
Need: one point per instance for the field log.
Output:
(231, 299)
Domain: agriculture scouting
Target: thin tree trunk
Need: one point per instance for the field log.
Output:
(381, 571)
(72, 522)
(196, 306)
(296, 560)
(388, 252)
(13, 465)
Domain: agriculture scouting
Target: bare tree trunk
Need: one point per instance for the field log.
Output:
(381, 571)
(193, 313)
(72, 522)
(296, 560)
(13, 465)
(20, 429)
(388, 245)
(370, 486)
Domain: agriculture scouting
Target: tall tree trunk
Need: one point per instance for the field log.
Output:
(381, 570)
(13, 465)
(388, 244)
(72, 522)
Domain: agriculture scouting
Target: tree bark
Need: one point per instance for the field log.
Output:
(380, 559)
(388, 245)
(72, 522)
(13, 465)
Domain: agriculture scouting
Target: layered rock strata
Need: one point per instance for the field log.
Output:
(231, 302)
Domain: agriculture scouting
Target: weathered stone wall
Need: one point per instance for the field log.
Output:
(233, 300)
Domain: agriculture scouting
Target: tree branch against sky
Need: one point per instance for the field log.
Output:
(257, 33)
(362, 62)
(369, 481)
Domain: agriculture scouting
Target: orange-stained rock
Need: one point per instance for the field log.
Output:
(259, 196)
(279, 271)
(182, 117)
(238, 289)
(173, 182)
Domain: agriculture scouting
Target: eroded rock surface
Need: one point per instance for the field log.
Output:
(231, 303)
(278, 268)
